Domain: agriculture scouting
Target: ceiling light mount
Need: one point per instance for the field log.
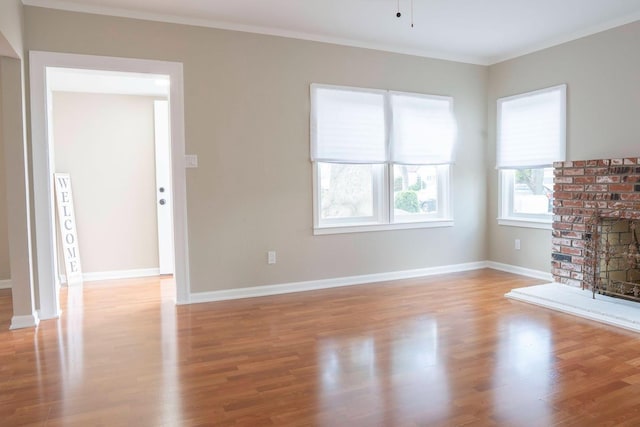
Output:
(399, 14)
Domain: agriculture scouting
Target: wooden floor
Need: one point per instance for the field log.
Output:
(445, 350)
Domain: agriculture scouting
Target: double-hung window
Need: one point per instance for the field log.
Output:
(381, 159)
(531, 135)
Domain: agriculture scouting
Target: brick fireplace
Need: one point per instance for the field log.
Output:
(588, 194)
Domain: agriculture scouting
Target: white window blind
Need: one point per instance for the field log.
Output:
(531, 129)
(423, 130)
(374, 126)
(347, 125)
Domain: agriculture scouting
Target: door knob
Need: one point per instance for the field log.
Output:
(162, 201)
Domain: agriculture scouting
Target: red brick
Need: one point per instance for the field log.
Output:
(572, 203)
(562, 195)
(619, 188)
(574, 171)
(561, 226)
(596, 171)
(572, 235)
(583, 212)
(604, 162)
(616, 162)
(563, 211)
(572, 187)
(584, 179)
(579, 243)
(607, 179)
(631, 161)
(571, 266)
(571, 251)
(597, 188)
(563, 180)
(559, 241)
(577, 276)
(577, 260)
(579, 227)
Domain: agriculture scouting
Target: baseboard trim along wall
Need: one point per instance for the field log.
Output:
(5, 284)
(27, 321)
(312, 285)
(537, 274)
(115, 275)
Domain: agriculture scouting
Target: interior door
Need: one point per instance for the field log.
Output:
(164, 202)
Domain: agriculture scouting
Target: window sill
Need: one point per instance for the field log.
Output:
(381, 227)
(525, 223)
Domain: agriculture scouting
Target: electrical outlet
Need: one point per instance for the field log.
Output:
(271, 257)
(517, 244)
(190, 161)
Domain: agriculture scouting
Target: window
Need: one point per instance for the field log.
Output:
(531, 135)
(381, 159)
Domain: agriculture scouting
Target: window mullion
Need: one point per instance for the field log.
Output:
(388, 167)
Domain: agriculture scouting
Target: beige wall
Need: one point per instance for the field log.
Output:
(11, 45)
(106, 143)
(15, 172)
(603, 117)
(5, 270)
(17, 190)
(11, 39)
(247, 118)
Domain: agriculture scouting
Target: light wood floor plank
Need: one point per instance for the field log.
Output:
(437, 351)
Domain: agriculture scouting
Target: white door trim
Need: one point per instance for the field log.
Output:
(43, 169)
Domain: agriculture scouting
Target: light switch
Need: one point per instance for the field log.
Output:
(190, 161)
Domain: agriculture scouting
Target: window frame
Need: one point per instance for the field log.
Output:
(507, 196)
(379, 190)
(339, 227)
(386, 208)
(506, 188)
(443, 173)
(384, 202)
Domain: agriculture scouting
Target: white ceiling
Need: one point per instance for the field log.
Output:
(475, 31)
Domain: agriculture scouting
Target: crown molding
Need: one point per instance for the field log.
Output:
(628, 19)
(71, 6)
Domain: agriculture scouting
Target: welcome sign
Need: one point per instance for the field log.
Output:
(68, 233)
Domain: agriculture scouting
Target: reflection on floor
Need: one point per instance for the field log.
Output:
(443, 350)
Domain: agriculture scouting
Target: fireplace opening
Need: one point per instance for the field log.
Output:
(614, 255)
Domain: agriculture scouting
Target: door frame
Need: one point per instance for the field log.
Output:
(42, 158)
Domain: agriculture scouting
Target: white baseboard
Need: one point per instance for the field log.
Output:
(115, 275)
(5, 284)
(28, 321)
(311, 285)
(537, 274)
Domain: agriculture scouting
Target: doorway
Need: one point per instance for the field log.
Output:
(42, 65)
